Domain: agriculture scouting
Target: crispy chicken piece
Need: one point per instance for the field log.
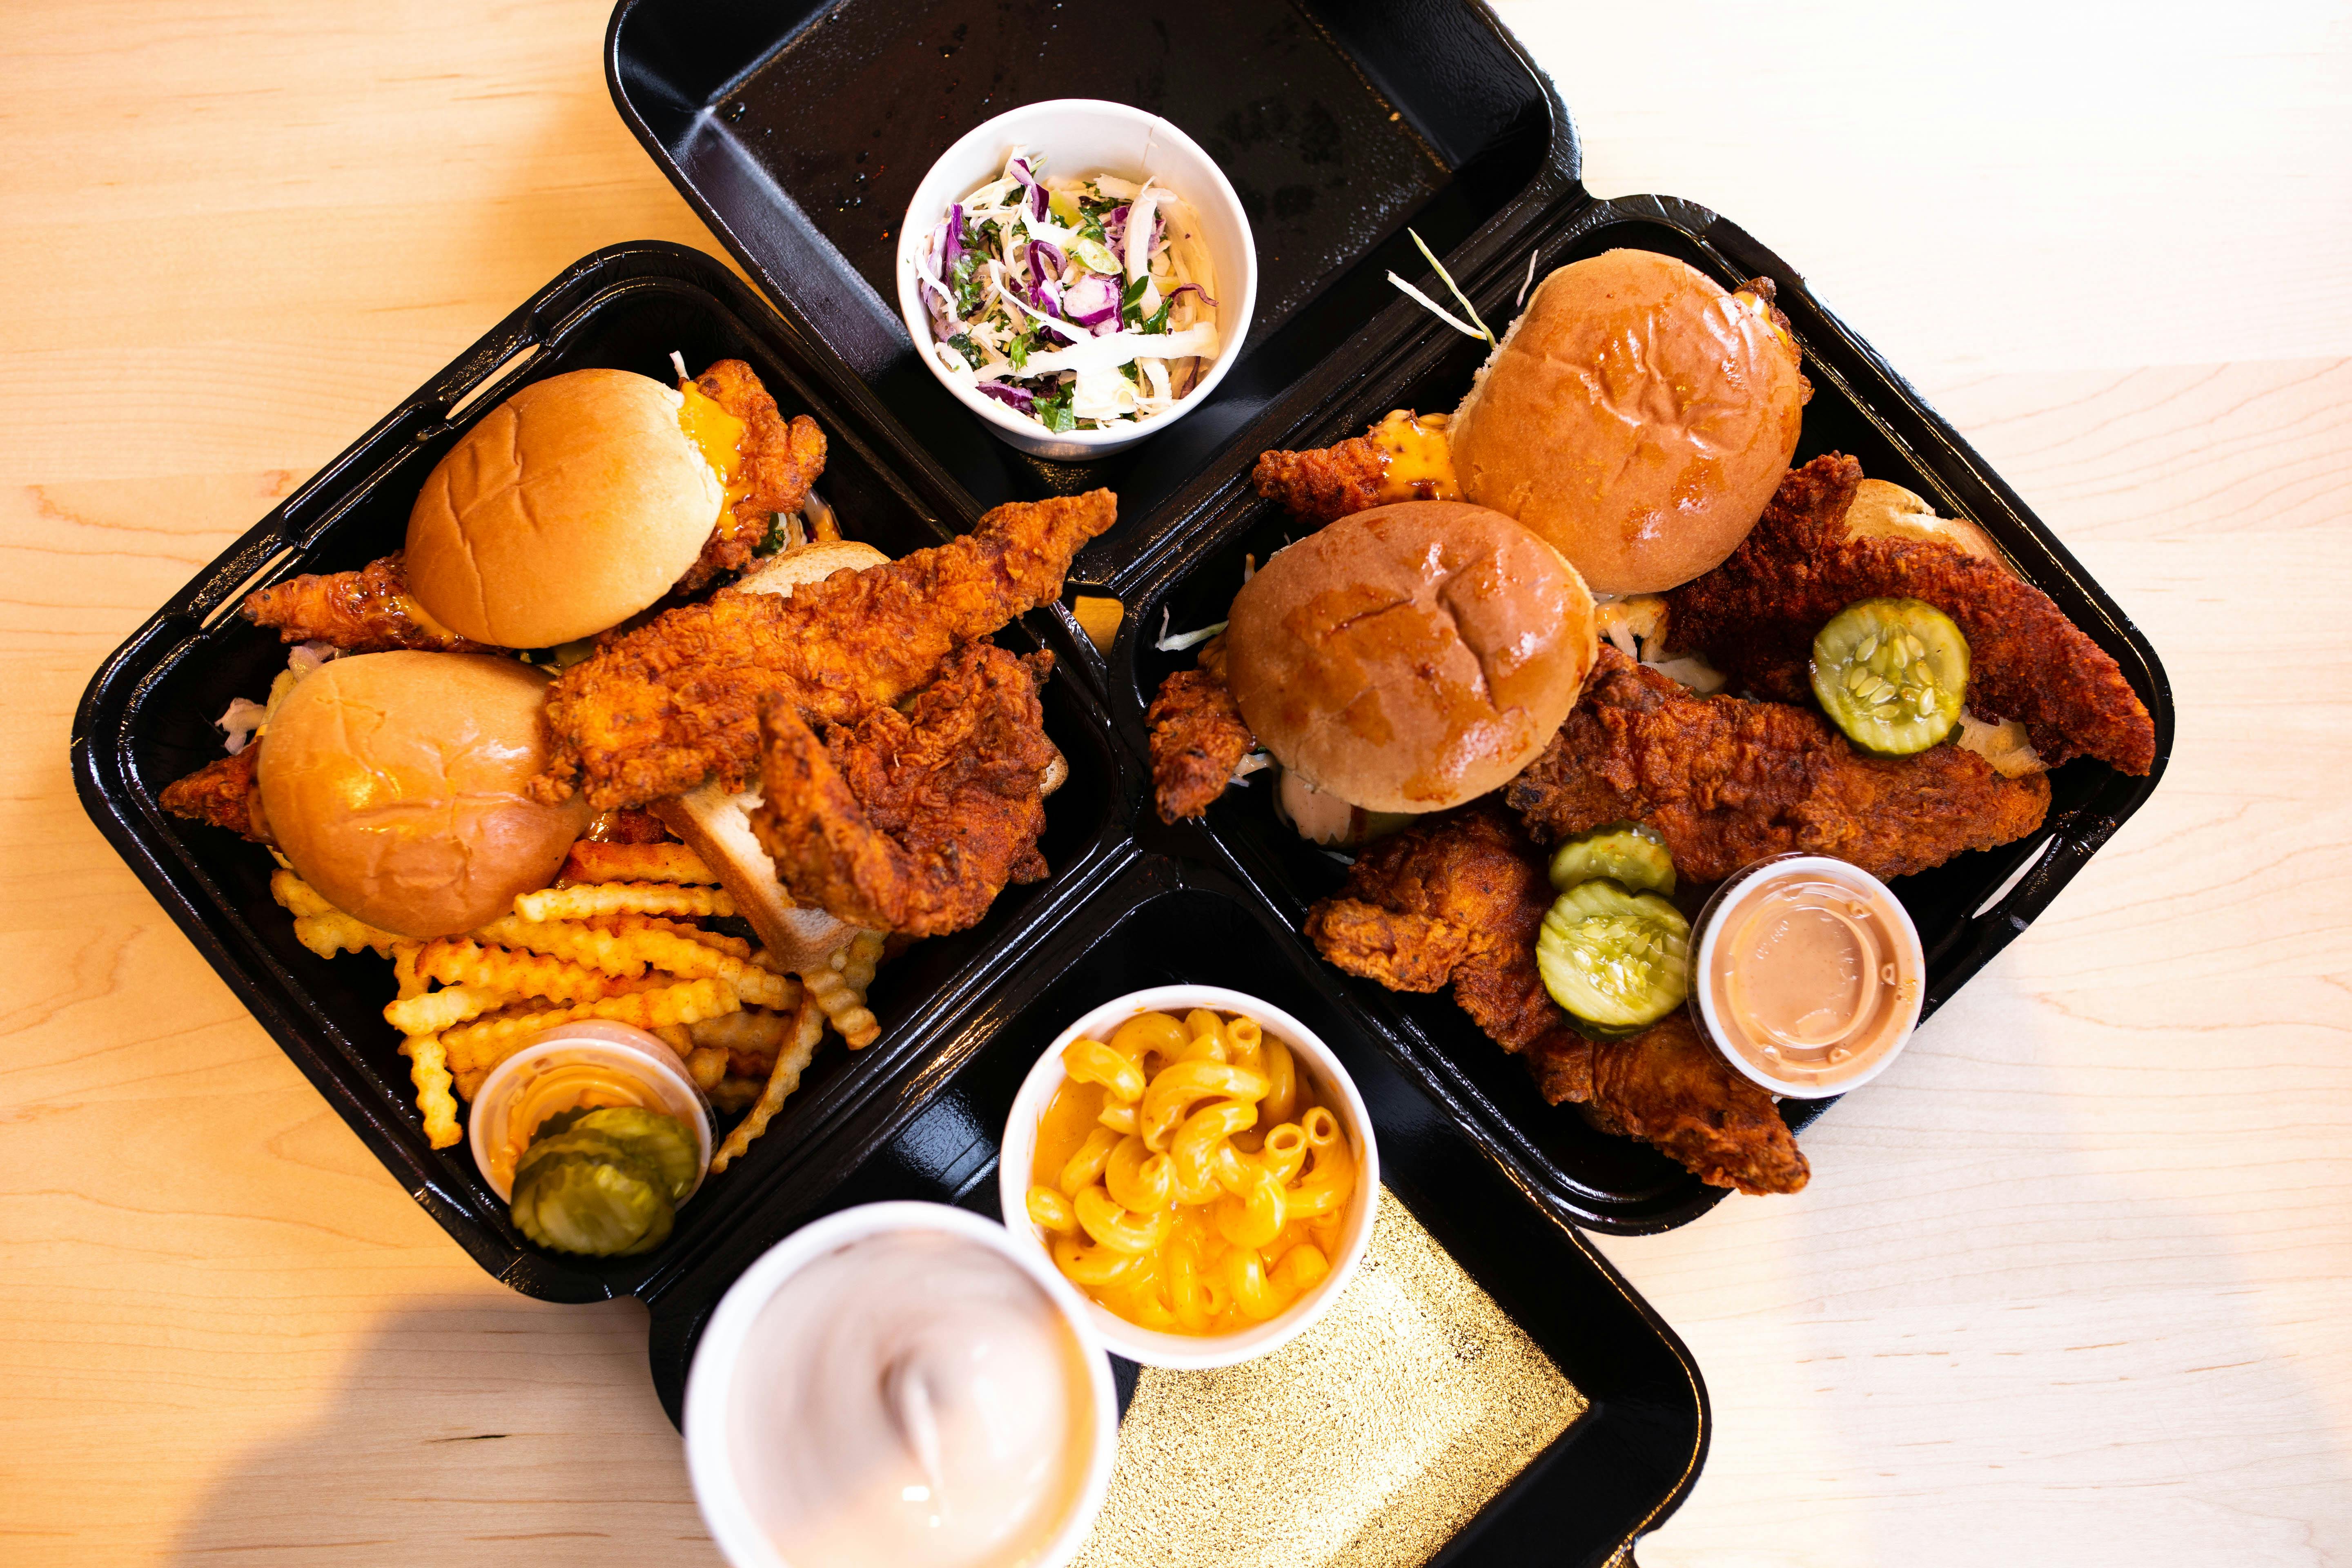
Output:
(780, 462)
(1727, 781)
(367, 611)
(1403, 458)
(662, 709)
(1458, 899)
(1670, 1089)
(220, 793)
(1756, 616)
(912, 822)
(1198, 738)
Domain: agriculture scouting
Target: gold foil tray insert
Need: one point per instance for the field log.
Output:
(1369, 1440)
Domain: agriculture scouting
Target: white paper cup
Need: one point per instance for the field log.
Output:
(721, 1476)
(1086, 136)
(1333, 1087)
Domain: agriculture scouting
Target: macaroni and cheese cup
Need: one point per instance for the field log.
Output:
(1333, 1088)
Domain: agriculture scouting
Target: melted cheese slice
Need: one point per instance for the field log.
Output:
(1419, 461)
(719, 436)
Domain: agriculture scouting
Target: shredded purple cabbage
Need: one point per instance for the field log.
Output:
(954, 247)
(1018, 397)
(1050, 257)
(1193, 288)
(1090, 300)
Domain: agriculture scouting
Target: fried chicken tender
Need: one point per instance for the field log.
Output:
(1457, 899)
(367, 611)
(1403, 458)
(220, 793)
(780, 462)
(912, 822)
(1727, 781)
(665, 708)
(1669, 1089)
(1198, 738)
(1755, 617)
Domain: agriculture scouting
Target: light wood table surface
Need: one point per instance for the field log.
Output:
(2070, 1284)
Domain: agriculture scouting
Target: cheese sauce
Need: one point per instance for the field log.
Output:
(1417, 462)
(916, 1402)
(1813, 975)
(718, 435)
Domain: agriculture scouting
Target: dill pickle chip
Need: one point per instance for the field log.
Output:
(1617, 960)
(1890, 673)
(1623, 852)
(654, 1138)
(579, 1202)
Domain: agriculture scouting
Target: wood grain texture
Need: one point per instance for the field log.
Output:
(2069, 1285)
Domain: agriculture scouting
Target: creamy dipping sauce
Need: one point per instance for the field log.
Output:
(911, 1400)
(1812, 973)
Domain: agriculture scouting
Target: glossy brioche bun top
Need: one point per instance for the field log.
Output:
(1637, 416)
(395, 784)
(1412, 656)
(568, 508)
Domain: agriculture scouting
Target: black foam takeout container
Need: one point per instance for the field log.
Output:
(798, 133)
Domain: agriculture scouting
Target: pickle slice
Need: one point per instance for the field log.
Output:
(1616, 959)
(1623, 852)
(579, 1202)
(1890, 673)
(654, 1138)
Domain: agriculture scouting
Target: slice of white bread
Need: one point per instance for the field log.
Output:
(1883, 510)
(718, 824)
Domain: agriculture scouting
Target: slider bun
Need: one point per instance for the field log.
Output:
(396, 784)
(568, 508)
(1411, 657)
(1885, 511)
(1637, 416)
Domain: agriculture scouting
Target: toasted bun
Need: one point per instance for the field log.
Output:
(572, 506)
(1412, 656)
(1637, 416)
(788, 569)
(395, 783)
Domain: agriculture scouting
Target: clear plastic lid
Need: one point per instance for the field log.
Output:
(1807, 974)
(592, 1062)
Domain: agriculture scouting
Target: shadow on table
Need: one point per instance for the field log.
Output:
(485, 1428)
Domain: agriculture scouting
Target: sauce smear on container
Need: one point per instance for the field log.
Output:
(1810, 974)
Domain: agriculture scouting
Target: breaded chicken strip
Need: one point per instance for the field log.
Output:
(1198, 738)
(1457, 899)
(664, 709)
(367, 611)
(780, 462)
(1402, 457)
(913, 823)
(1755, 617)
(1725, 781)
(220, 793)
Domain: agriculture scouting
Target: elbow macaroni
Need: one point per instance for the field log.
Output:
(1185, 1176)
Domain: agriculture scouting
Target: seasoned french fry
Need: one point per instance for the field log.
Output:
(487, 1042)
(732, 1093)
(707, 1064)
(592, 862)
(676, 1037)
(717, 940)
(680, 954)
(752, 1030)
(334, 931)
(844, 1007)
(622, 897)
(567, 940)
(469, 1082)
(297, 895)
(808, 1029)
(858, 961)
(460, 961)
(428, 1070)
(430, 1015)
(412, 981)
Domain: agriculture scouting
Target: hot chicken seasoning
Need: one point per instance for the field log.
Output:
(1188, 1178)
(1810, 974)
(918, 1402)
